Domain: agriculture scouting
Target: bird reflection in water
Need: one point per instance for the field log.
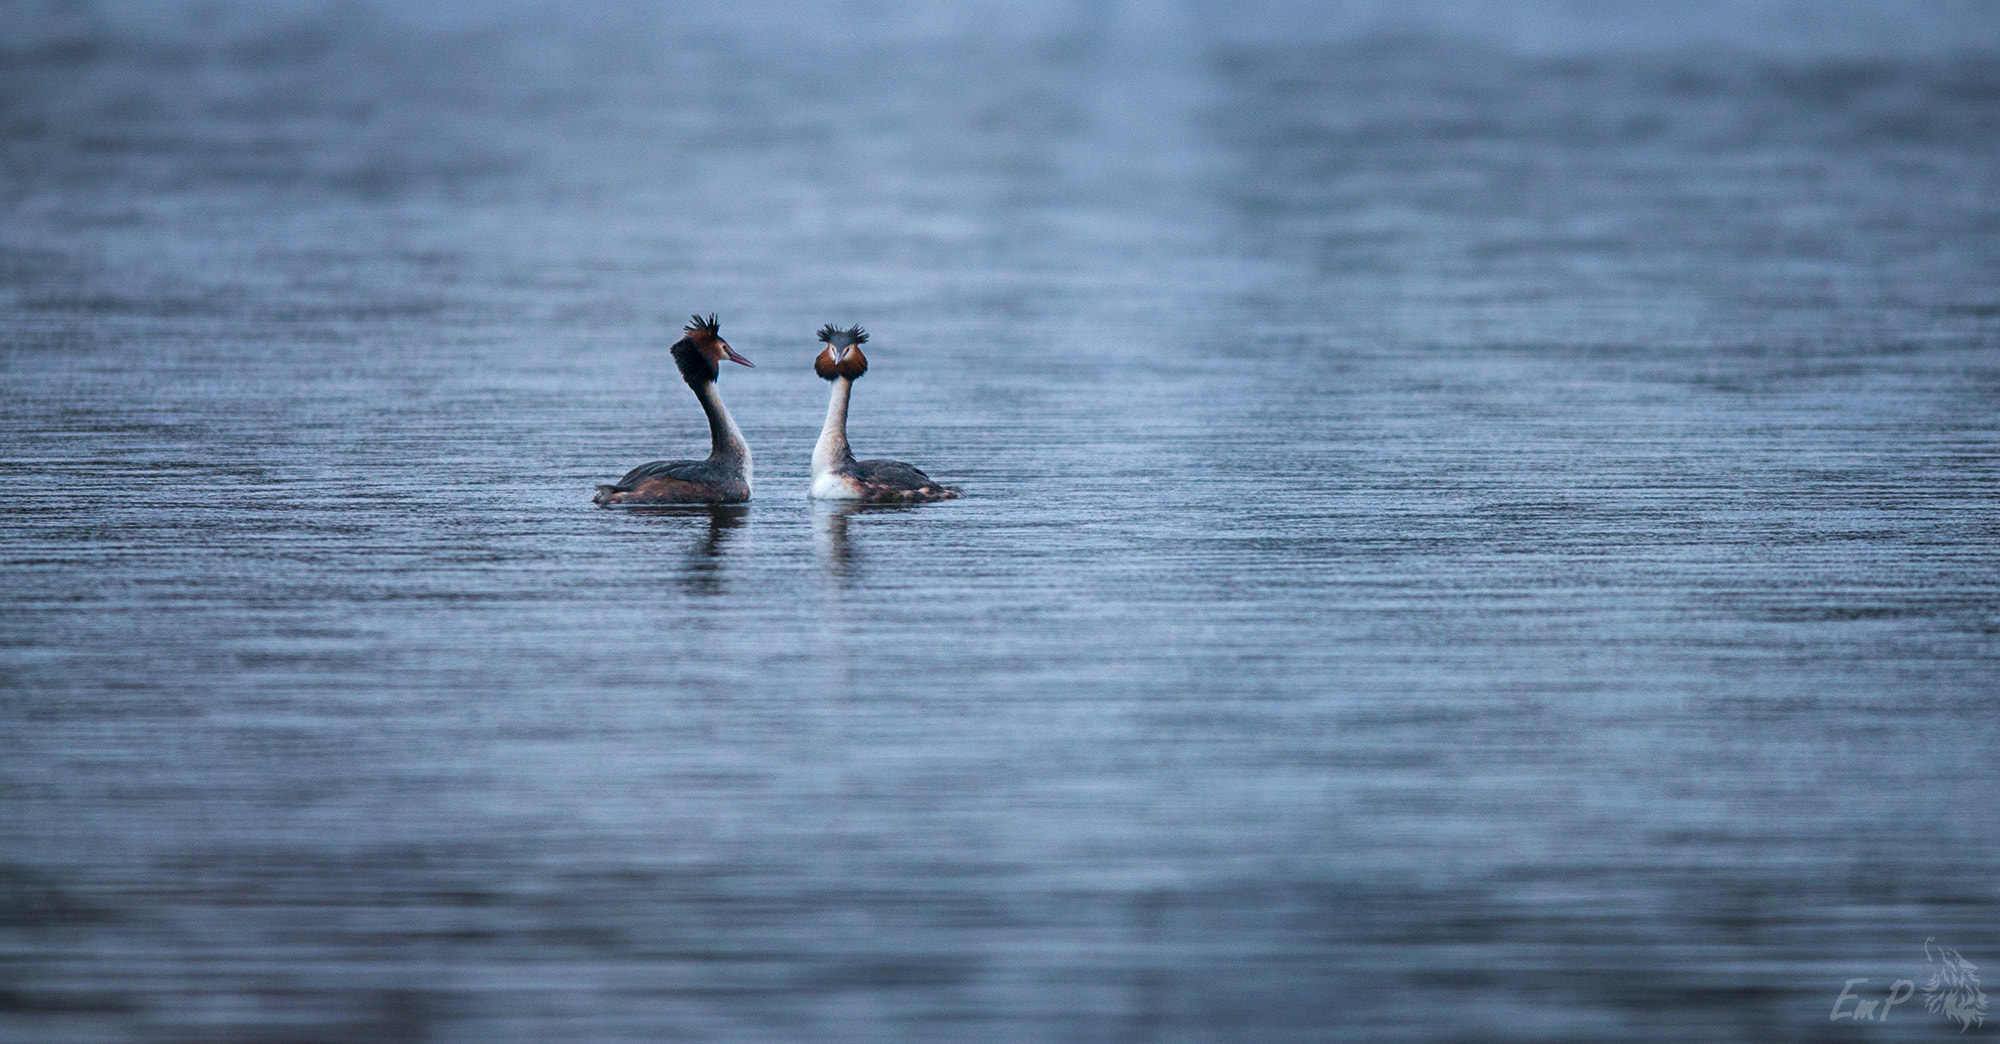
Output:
(837, 553)
(701, 569)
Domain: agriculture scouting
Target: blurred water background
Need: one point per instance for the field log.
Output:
(1480, 521)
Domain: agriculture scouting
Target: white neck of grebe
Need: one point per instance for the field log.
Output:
(726, 445)
(831, 451)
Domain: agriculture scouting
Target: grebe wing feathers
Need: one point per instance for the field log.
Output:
(674, 482)
(895, 480)
(684, 470)
(890, 473)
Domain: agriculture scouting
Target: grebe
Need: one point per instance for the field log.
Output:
(724, 478)
(836, 474)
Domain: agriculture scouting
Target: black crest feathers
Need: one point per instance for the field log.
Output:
(695, 365)
(831, 334)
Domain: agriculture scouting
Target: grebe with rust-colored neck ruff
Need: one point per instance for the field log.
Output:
(836, 475)
(724, 478)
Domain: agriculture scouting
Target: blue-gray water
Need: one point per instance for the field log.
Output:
(1480, 523)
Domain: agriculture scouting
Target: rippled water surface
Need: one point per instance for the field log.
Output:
(1479, 524)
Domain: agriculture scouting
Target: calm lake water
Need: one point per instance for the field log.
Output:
(1479, 524)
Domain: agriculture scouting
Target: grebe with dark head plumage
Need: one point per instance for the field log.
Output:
(723, 478)
(836, 475)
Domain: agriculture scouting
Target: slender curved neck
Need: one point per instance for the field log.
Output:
(832, 451)
(725, 439)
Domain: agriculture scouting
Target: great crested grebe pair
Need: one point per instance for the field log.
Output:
(724, 477)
